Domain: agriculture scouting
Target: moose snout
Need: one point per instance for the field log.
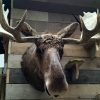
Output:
(57, 87)
(56, 92)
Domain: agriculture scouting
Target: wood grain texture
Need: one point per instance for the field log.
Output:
(90, 64)
(26, 92)
(15, 76)
(31, 15)
(69, 50)
(23, 91)
(19, 48)
(7, 77)
(14, 61)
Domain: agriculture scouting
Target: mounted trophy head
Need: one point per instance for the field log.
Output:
(41, 63)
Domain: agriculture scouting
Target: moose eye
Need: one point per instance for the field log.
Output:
(40, 50)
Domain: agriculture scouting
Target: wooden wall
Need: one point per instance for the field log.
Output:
(87, 87)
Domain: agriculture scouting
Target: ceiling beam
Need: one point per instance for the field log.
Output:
(51, 7)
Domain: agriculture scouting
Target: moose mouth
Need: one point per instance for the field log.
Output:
(49, 93)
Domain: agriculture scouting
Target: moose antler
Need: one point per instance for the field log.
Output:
(90, 24)
(27, 30)
(14, 32)
(2, 30)
(67, 31)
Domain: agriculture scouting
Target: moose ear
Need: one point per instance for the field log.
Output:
(73, 66)
(67, 31)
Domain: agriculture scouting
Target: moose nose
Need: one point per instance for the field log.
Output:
(56, 95)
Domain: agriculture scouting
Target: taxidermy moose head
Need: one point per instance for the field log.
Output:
(41, 62)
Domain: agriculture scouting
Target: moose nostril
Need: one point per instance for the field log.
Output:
(56, 95)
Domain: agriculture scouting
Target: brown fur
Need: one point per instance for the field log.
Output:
(31, 68)
(43, 59)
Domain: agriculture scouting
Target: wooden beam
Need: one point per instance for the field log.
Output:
(24, 92)
(51, 7)
(90, 64)
(69, 50)
(75, 92)
(86, 77)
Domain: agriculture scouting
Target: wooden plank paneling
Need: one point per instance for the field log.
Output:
(61, 18)
(31, 15)
(91, 64)
(85, 77)
(42, 26)
(69, 50)
(83, 91)
(19, 48)
(14, 61)
(42, 21)
(16, 76)
(25, 91)
(75, 50)
(42, 16)
(8, 75)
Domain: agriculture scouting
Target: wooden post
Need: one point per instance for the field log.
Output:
(3, 76)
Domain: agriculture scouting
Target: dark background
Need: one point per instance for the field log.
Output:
(58, 6)
(7, 6)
